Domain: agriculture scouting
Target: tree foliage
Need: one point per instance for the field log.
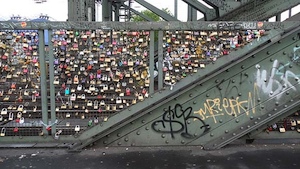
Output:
(150, 14)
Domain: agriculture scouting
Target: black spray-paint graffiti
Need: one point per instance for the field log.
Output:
(176, 121)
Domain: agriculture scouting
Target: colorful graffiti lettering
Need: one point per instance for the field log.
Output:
(175, 120)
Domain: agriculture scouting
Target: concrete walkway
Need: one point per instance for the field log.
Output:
(271, 156)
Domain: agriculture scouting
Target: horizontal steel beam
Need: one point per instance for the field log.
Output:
(175, 25)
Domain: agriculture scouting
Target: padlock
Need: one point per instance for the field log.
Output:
(1, 118)
(4, 111)
(22, 120)
(282, 129)
(68, 115)
(89, 103)
(11, 116)
(77, 128)
(102, 103)
(79, 87)
(118, 100)
(67, 91)
(19, 115)
(293, 122)
(73, 97)
(3, 131)
(20, 107)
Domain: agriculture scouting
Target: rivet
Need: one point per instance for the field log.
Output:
(258, 99)
(220, 120)
(132, 144)
(279, 41)
(248, 126)
(151, 96)
(191, 95)
(215, 145)
(237, 120)
(220, 88)
(242, 66)
(138, 133)
(258, 118)
(118, 134)
(255, 122)
(265, 80)
(104, 142)
(129, 109)
(285, 106)
(147, 128)
(226, 131)
(103, 153)
(291, 100)
(297, 45)
(143, 121)
(251, 117)
(195, 134)
(167, 142)
(294, 38)
(271, 60)
(242, 128)
(207, 95)
(284, 53)
(291, 66)
(268, 52)
(194, 102)
(232, 80)
(271, 92)
(240, 94)
(188, 122)
(284, 85)
(175, 98)
(297, 79)
(126, 139)
(287, 93)
(165, 109)
(233, 134)
(253, 56)
(182, 141)
(227, 70)
(262, 106)
(269, 115)
(119, 143)
(246, 107)
(163, 136)
(211, 134)
(275, 109)
(276, 103)
(245, 74)
(223, 138)
(217, 81)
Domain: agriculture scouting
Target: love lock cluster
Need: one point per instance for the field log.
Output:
(97, 73)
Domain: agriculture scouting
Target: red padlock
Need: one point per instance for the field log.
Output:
(128, 93)
(16, 129)
(48, 128)
(17, 120)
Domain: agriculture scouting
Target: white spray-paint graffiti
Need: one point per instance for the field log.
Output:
(272, 84)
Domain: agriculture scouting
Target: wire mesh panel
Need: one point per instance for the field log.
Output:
(97, 74)
(20, 83)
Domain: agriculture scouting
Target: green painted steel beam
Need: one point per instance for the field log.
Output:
(140, 132)
(157, 11)
(209, 14)
(147, 18)
(198, 25)
(259, 10)
(160, 98)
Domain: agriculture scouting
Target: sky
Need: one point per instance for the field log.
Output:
(57, 10)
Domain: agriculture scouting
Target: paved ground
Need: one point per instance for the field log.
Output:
(271, 156)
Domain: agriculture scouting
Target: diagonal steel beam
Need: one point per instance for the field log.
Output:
(157, 11)
(209, 14)
(147, 18)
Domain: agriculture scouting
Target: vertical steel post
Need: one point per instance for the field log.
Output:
(151, 62)
(160, 60)
(51, 79)
(43, 79)
(117, 12)
(175, 8)
(105, 11)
